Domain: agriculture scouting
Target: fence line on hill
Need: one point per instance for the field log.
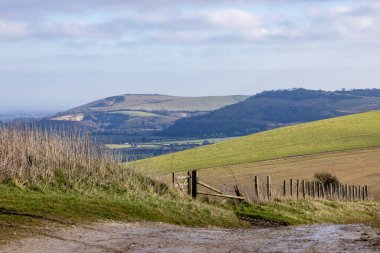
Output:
(290, 189)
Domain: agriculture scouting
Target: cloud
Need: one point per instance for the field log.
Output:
(9, 29)
(185, 22)
(347, 21)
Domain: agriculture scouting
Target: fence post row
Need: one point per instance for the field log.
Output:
(306, 188)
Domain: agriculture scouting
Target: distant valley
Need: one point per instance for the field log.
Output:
(145, 125)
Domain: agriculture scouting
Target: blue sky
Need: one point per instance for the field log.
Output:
(65, 53)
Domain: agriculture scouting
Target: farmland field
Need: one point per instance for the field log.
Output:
(137, 151)
(154, 144)
(337, 134)
(357, 167)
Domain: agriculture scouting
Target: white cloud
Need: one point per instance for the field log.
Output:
(9, 29)
(348, 21)
(232, 19)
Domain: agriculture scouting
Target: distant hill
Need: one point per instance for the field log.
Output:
(273, 109)
(341, 133)
(139, 113)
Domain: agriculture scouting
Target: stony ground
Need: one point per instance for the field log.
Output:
(159, 237)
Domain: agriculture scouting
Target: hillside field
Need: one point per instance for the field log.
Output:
(357, 167)
(337, 134)
(156, 102)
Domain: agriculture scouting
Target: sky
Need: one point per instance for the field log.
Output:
(60, 54)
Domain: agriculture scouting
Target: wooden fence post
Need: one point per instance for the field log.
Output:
(349, 192)
(318, 190)
(256, 188)
(314, 189)
(338, 191)
(308, 189)
(362, 193)
(284, 188)
(323, 190)
(366, 191)
(194, 183)
(356, 192)
(331, 190)
(291, 187)
(173, 179)
(346, 192)
(303, 189)
(269, 186)
(188, 183)
(298, 187)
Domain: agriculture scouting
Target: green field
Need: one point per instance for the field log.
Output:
(150, 102)
(342, 133)
(137, 113)
(157, 144)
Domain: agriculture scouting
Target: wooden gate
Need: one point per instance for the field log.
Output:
(182, 181)
(189, 183)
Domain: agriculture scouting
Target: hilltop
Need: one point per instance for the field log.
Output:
(274, 109)
(139, 113)
(341, 133)
(156, 103)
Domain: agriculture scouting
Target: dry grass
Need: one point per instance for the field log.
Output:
(357, 167)
(30, 157)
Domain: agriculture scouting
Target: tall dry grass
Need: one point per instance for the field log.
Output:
(30, 156)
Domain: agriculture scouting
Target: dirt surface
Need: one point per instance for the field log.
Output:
(158, 237)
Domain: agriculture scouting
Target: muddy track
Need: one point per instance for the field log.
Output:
(158, 237)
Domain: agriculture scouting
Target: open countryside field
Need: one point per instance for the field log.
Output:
(155, 144)
(357, 167)
(337, 134)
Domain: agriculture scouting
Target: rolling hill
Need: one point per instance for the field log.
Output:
(273, 109)
(337, 134)
(141, 113)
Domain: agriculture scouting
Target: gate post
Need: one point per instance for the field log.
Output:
(194, 182)
(188, 183)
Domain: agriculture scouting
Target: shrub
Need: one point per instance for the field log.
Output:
(326, 178)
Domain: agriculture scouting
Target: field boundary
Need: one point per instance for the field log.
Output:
(291, 189)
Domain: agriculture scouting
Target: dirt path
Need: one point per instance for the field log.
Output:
(158, 237)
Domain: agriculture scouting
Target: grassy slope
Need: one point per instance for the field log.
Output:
(138, 114)
(308, 212)
(343, 133)
(191, 103)
(159, 103)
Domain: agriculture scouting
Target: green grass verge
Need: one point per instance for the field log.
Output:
(343, 133)
(310, 211)
(24, 210)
